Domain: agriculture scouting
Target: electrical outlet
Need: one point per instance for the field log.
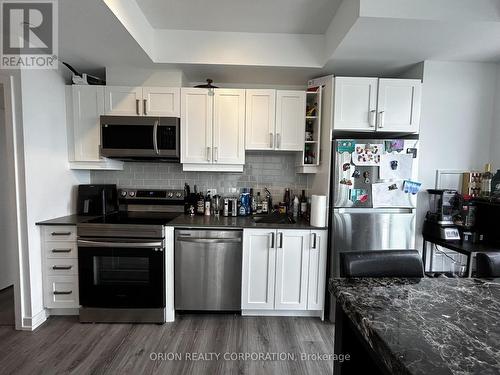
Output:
(212, 192)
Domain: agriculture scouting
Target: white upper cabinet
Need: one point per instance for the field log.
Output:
(373, 104)
(290, 119)
(355, 103)
(292, 263)
(88, 105)
(196, 126)
(161, 101)
(212, 129)
(260, 119)
(229, 127)
(123, 101)
(142, 101)
(317, 270)
(85, 105)
(258, 270)
(399, 105)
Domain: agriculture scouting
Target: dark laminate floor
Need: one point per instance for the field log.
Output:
(7, 307)
(62, 345)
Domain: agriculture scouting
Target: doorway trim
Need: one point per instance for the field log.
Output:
(7, 81)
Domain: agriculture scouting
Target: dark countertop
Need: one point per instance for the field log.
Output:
(186, 221)
(426, 326)
(67, 220)
(462, 247)
(239, 222)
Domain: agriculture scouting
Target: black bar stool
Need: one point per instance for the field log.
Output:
(488, 265)
(386, 263)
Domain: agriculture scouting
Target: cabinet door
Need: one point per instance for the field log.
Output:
(355, 103)
(161, 101)
(290, 120)
(123, 101)
(292, 261)
(88, 105)
(260, 119)
(196, 126)
(317, 270)
(258, 272)
(398, 107)
(229, 127)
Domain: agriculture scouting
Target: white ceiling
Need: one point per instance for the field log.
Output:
(256, 16)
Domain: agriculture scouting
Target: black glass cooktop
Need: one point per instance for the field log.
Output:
(138, 218)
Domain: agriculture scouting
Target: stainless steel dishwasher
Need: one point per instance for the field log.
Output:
(208, 270)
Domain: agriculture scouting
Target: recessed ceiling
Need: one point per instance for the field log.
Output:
(256, 16)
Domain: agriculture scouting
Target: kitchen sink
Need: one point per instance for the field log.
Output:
(274, 219)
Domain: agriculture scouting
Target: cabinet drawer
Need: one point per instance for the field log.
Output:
(61, 292)
(59, 233)
(54, 249)
(61, 266)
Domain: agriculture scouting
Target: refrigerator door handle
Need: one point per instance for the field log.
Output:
(388, 210)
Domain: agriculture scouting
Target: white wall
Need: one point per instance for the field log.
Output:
(132, 76)
(50, 185)
(456, 122)
(495, 134)
(6, 251)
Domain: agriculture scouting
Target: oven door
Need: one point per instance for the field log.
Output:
(118, 274)
(127, 137)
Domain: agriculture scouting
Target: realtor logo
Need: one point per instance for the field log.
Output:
(29, 34)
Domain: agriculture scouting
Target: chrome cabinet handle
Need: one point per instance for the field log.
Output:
(271, 140)
(280, 246)
(314, 241)
(137, 107)
(155, 137)
(62, 267)
(145, 104)
(208, 153)
(372, 118)
(216, 154)
(61, 233)
(381, 119)
(271, 237)
(57, 292)
(278, 140)
(61, 250)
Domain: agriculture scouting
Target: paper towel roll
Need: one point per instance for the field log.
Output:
(318, 210)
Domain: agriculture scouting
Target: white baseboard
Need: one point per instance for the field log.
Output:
(299, 313)
(33, 322)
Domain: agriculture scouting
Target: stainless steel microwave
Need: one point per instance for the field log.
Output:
(140, 138)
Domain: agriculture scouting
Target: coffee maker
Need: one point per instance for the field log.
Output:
(438, 223)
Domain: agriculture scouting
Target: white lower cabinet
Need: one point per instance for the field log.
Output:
(283, 272)
(60, 268)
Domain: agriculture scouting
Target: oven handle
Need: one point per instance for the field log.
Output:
(142, 245)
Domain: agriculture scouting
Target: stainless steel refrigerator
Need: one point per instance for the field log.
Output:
(373, 200)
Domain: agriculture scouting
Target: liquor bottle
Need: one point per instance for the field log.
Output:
(296, 205)
(486, 178)
(287, 200)
(207, 204)
(258, 203)
(495, 184)
(253, 202)
(303, 204)
(200, 204)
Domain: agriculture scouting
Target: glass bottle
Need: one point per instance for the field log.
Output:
(486, 179)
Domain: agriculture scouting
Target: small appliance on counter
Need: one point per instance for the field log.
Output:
(439, 220)
(96, 200)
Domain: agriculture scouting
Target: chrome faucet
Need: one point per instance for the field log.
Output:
(269, 198)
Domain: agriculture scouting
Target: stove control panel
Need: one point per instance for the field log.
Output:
(131, 195)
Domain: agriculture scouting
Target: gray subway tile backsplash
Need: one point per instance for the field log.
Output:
(262, 169)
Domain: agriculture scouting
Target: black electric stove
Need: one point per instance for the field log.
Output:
(122, 258)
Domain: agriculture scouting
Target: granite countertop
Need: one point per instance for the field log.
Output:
(239, 222)
(67, 220)
(186, 221)
(426, 326)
